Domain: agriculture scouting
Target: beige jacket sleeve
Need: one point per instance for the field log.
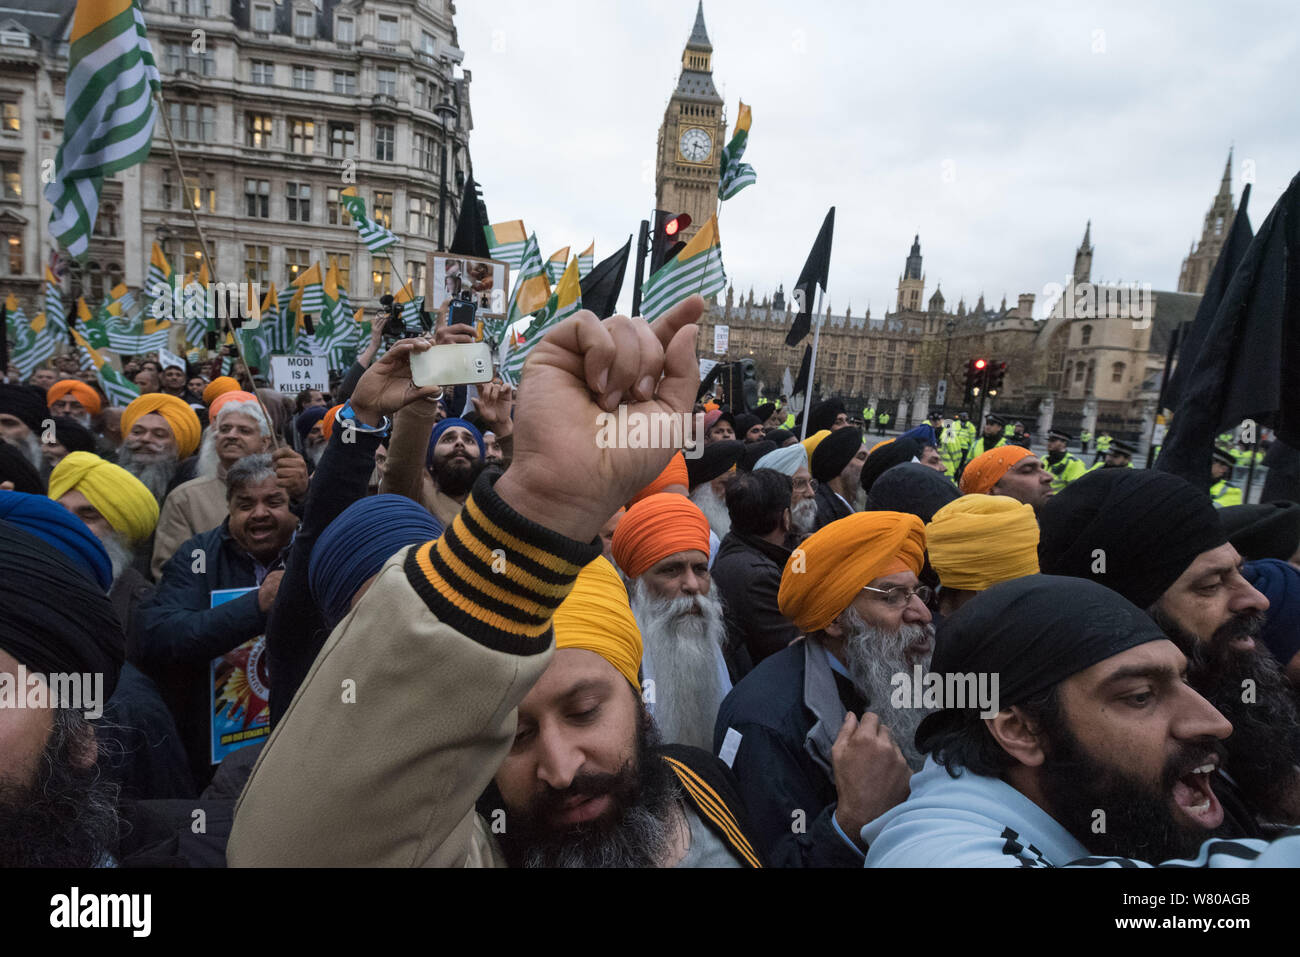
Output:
(410, 706)
(408, 450)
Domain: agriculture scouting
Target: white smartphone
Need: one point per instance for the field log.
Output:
(457, 363)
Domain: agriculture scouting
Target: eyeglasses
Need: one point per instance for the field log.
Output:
(808, 483)
(900, 595)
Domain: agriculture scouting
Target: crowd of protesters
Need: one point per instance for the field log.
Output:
(466, 633)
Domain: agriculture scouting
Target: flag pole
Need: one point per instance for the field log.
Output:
(812, 366)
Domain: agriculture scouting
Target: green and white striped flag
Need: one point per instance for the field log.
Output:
(696, 269)
(30, 343)
(532, 285)
(116, 386)
(587, 260)
(375, 235)
(735, 175)
(507, 242)
(564, 302)
(56, 314)
(109, 113)
(556, 264)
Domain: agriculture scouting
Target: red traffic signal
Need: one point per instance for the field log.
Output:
(677, 224)
(981, 363)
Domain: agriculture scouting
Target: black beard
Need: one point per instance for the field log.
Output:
(634, 833)
(456, 476)
(1264, 746)
(1139, 822)
(66, 817)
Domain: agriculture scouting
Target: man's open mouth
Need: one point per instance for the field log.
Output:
(1194, 796)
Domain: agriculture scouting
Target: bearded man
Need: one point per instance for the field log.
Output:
(22, 415)
(75, 400)
(790, 730)
(792, 460)
(709, 474)
(1163, 547)
(158, 432)
(662, 546)
(309, 424)
(837, 466)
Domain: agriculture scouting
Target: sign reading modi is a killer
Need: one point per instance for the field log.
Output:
(291, 374)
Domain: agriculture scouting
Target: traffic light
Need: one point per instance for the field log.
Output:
(975, 369)
(997, 372)
(749, 384)
(665, 241)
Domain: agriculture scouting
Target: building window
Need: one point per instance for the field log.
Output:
(262, 72)
(304, 25)
(1218, 226)
(302, 137)
(196, 192)
(263, 19)
(298, 197)
(167, 187)
(13, 179)
(381, 276)
(10, 116)
(424, 150)
(388, 30)
(428, 46)
(384, 142)
(257, 264)
(192, 121)
(296, 260)
(343, 262)
(382, 212)
(419, 216)
(257, 198)
(1085, 335)
(345, 82)
(257, 131)
(1079, 371)
(417, 277)
(1117, 372)
(343, 140)
(180, 56)
(336, 213)
(387, 81)
(345, 31)
(14, 243)
(426, 93)
(304, 78)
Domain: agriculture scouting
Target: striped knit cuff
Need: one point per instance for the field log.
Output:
(495, 576)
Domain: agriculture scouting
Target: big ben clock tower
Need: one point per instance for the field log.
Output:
(692, 136)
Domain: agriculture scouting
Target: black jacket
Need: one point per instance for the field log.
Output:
(788, 715)
(747, 572)
(180, 632)
(295, 630)
(829, 506)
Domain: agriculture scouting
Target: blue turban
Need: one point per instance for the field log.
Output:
(1280, 584)
(923, 433)
(306, 419)
(356, 544)
(55, 525)
(446, 424)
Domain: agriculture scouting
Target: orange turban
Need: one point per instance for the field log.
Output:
(977, 541)
(834, 564)
(596, 616)
(219, 386)
(327, 423)
(810, 444)
(711, 407)
(658, 526)
(225, 398)
(83, 393)
(673, 474)
(180, 419)
(984, 471)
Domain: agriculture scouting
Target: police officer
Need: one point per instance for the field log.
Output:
(1065, 468)
(1119, 454)
(1019, 436)
(1223, 492)
(1104, 441)
(883, 421)
(994, 429)
(1085, 440)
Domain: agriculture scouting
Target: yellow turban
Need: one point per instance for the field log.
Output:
(219, 386)
(596, 617)
(180, 418)
(977, 541)
(119, 496)
(80, 391)
(834, 564)
(810, 444)
(984, 471)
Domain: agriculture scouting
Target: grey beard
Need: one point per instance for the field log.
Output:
(30, 447)
(804, 517)
(119, 555)
(313, 452)
(639, 840)
(209, 463)
(683, 650)
(874, 657)
(153, 473)
(714, 509)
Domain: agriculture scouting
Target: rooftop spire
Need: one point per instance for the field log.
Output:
(1225, 187)
(1087, 237)
(699, 35)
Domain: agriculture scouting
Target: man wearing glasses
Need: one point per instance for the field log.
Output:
(811, 771)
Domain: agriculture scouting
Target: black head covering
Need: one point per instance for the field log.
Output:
(1058, 434)
(56, 619)
(715, 458)
(913, 488)
(73, 436)
(1222, 456)
(886, 457)
(1150, 526)
(834, 453)
(1124, 448)
(25, 402)
(1271, 530)
(15, 468)
(753, 452)
(823, 415)
(764, 411)
(781, 437)
(744, 422)
(1033, 633)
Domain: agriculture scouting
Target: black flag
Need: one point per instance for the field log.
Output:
(801, 381)
(1249, 367)
(601, 286)
(1230, 257)
(815, 272)
(470, 240)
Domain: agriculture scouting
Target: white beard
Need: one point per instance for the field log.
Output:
(30, 447)
(314, 452)
(684, 650)
(714, 509)
(119, 555)
(153, 471)
(874, 656)
(804, 517)
(209, 462)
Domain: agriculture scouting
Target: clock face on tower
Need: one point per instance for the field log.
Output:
(696, 145)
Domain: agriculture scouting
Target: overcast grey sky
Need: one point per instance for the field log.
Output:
(993, 130)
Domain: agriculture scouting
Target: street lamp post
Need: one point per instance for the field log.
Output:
(950, 326)
(447, 112)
